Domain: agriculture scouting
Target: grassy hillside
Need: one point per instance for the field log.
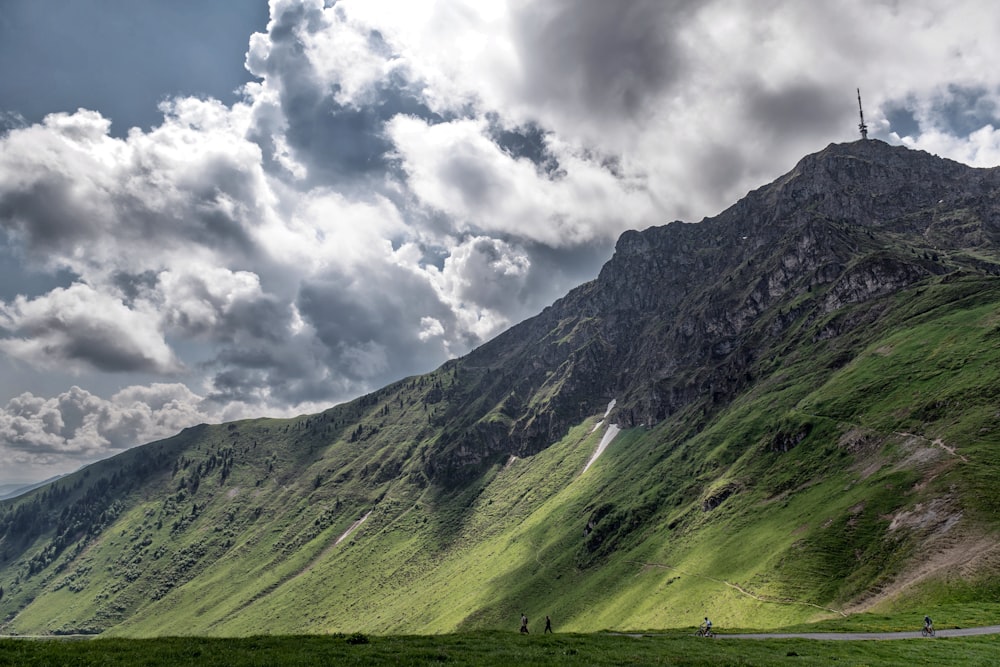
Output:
(495, 648)
(857, 473)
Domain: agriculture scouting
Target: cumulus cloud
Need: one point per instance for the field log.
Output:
(187, 195)
(84, 329)
(220, 304)
(457, 169)
(404, 180)
(81, 427)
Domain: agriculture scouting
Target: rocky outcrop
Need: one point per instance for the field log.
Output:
(683, 314)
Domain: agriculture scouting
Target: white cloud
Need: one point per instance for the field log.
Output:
(484, 279)
(979, 149)
(84, 329)
(456, 169)
(406, 179)
(191, 189)
(430, 327)
(78, 427)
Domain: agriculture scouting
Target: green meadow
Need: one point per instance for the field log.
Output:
(495, 648)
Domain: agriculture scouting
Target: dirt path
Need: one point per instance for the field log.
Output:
(861, 636)
(292, 577)
(741, 590)
(326, 552)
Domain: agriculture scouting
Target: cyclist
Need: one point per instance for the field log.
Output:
(928, 626)
(705, 629)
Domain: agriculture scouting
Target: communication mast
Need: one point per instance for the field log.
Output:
(861, 125)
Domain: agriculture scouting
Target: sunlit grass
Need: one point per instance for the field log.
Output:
(500, 649)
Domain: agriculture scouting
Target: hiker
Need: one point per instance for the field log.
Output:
(524, 624)
(548, 625)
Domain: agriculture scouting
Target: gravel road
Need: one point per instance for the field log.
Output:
(859, 636)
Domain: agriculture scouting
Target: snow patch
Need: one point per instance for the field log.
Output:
(609, 435)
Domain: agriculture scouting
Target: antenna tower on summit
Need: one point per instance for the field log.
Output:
(861, 125)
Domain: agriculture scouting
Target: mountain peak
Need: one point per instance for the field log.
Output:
(851, 223)
(812, 371)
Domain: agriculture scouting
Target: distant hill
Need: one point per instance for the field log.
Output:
(794, 402)
(14, 490)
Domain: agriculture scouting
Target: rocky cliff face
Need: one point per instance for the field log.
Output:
(682, 314)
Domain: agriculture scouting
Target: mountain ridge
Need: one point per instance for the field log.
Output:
(781, 375)
(665, 252)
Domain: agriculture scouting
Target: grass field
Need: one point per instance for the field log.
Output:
(495, 648)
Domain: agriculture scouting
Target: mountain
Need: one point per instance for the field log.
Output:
(14, 490)
(782, 413)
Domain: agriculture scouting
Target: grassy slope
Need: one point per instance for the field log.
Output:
(495, 648)
(831, 482)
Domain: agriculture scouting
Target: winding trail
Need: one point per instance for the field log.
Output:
(326, 552)
(347, 533)
(741, 590)
(937, 442)
(263, 593)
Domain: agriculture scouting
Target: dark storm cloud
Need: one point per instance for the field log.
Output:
(98, 345)
(802, 108)
(370, 324)
(46, 215)
(606, 59)
(262, 376)
(718, 168)
(222, 307)
(555, 271)
(211, 186)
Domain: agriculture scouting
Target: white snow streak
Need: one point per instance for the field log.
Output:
(606, 413)
(609, 435)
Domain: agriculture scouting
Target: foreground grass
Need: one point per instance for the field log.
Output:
(494, 649)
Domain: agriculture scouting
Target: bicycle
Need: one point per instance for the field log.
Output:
(704, 632)
(927, 631)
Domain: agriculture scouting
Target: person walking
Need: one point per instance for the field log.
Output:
(548, 625)
(524, 624)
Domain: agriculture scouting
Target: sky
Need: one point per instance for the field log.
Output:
(220, 209)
